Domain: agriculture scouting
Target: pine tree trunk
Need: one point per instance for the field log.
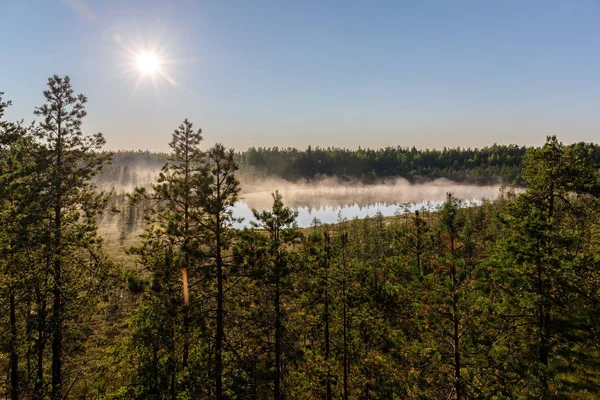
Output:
(156, 389)
(29, 325)
(543, 331)
(172, 365)
(57, 321)
(14, 355)
(456, 342)
(184, 271)
(220, 330)
(328, 379)
(345, 322)
(38, 391)
(57, 275)
(209, 363)
(277, 343)
(458, 387)
(544, 313)
(345, 326)
(186, 319)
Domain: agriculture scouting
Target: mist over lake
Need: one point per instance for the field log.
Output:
(330, 199)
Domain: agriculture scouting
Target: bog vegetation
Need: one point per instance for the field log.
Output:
(498, 301)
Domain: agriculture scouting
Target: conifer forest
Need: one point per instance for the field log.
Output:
(494, 300)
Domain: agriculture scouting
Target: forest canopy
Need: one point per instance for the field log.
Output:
(498, 300)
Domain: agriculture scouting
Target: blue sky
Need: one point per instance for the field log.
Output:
(329, 73)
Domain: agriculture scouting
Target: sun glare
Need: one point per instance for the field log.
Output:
(147, 63)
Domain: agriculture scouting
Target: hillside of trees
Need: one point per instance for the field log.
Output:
(497, 301)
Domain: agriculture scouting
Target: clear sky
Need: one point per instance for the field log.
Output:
(367, 73)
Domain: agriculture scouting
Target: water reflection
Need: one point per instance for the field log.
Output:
(331, 214)
(330, 198)
(331, 192)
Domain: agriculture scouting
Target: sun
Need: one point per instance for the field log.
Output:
(147, 63)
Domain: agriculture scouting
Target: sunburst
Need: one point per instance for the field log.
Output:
(146, 63)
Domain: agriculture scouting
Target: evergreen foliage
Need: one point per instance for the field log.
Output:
(494, 301)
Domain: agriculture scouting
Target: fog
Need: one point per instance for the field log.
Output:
(330, 199)
(331, 192)
(326, 199)
(128, 178)
(325, 192)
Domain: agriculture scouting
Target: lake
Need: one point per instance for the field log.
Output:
(332, 214)
(328, 200)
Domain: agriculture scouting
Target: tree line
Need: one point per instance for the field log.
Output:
(497, 301)
(496, 164)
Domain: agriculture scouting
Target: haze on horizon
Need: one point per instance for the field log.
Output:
(321, 73)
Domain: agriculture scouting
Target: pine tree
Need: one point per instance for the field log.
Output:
(345, 281)
(72, 160)
(176, 188)
(544, 266)
(448, 300)
(15, 166)
(218, 193)
(280, 225)
(171, 243)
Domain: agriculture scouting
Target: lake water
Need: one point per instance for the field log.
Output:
(331, 214)
(329, 200)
